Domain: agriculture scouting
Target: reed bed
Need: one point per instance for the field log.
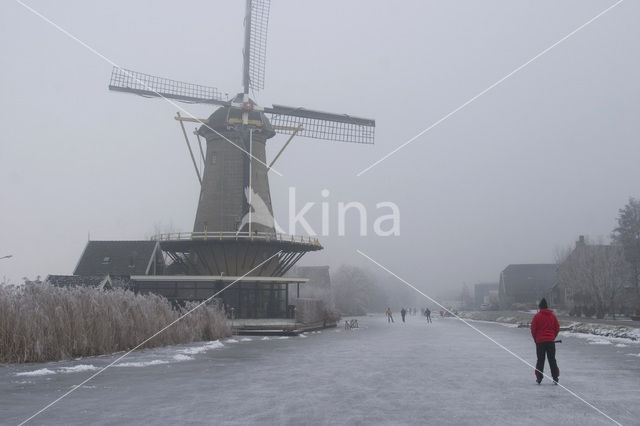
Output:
(45, 323)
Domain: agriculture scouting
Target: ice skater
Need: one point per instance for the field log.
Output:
(544, 329)
(403, 313)
(427, 313)
(389, 315)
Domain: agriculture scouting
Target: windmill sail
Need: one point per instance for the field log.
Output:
(123, 80)
(322, 125)
(257, 23)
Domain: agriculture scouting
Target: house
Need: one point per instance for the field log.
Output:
(523, 285)
(485, 294)
(110, 264)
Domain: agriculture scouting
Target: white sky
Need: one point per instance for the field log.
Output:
(548, 155)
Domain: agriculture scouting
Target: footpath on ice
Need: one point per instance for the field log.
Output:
(622, 329)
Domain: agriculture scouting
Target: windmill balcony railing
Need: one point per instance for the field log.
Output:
(226, 235)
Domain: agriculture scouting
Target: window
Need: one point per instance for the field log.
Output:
(106, 260)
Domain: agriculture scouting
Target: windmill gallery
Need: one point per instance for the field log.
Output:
(232, 240)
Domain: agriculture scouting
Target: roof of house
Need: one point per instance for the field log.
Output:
(116, 258)
(529, 278)
(98, 281)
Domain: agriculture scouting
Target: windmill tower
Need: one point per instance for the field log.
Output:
(234, 227)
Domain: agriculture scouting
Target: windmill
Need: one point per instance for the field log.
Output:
(237, 132)
(235, 202)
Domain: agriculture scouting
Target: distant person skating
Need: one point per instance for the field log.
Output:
(403, 313)
(389, 315)
(427, 313)
(544, 329)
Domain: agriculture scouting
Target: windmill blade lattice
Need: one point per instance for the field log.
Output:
(258, 42)
(123, 80)
(322, 125)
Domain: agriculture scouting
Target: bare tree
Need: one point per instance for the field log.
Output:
(594, 276)
(627, 234)
(355, 290)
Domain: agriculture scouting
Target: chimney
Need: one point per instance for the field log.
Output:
(580, 242)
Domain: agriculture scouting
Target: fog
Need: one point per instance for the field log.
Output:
(549, 154)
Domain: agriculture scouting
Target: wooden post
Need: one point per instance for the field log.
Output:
(193, 159)
(284, 146)
(200, 145)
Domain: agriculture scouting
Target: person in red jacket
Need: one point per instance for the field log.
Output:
(544, 329)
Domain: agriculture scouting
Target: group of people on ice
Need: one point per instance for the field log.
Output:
(411, 311)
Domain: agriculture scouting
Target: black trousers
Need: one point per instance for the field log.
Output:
(547, 349)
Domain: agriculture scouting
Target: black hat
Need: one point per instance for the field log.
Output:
(543, 304)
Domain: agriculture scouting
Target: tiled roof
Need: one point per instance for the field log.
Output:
(115, 258)
(529, 278)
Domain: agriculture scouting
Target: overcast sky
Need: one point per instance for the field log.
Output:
(549, 154)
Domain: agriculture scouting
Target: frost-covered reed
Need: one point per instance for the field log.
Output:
(45, 323)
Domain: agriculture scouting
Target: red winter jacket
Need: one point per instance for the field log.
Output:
(545, 327)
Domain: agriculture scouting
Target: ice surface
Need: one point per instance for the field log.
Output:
(77, 368)
(599, 341)
(40, 372)
(142, 363)
(182, 357)
(200, 348)
(402, 373)
(46, 371)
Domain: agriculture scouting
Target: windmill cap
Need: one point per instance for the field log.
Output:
(225, 117)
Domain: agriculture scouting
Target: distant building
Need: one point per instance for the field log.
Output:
(485, 294)
(522, 286)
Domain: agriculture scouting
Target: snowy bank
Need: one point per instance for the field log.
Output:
(523, 319)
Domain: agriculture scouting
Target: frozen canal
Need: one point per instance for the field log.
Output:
(443, 373)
